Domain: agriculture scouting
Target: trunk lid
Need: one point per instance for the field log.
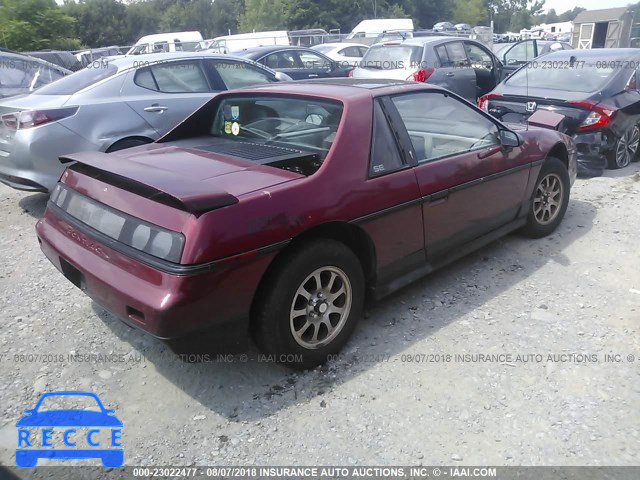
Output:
(518, 107)
(186, 177)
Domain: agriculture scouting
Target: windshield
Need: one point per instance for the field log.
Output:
(391, 57)
(307, 125)
(77, 81)
(576, 77)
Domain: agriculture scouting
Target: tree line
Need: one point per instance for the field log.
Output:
(40, 24)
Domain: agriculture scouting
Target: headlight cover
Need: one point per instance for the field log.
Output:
(134, 232)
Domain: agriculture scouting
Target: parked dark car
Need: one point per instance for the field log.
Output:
(22, 74)
(58, 57)
(464, 66)
(596, 90)
(87, 57)
(261, 215)
(297, 62)
(514, 55)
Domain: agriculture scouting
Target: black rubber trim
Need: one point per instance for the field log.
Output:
(154, 262)
(386, 211)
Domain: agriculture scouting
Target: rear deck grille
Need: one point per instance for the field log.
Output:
(255, 152)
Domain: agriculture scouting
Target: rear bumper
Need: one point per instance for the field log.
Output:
(29, 160)
(165, 305)
(593, 148)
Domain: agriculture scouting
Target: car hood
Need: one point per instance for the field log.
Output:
(197, 180)
(69, 418)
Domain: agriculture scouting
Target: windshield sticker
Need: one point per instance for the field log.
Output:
(227, 128)
(227, 112)
(235, 112)
(235, 128)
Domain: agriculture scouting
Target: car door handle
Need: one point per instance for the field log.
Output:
(313, 75)
(156, 108)
(489, 151)
(450, 74)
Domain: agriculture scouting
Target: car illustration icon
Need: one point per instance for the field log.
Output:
(97, 421)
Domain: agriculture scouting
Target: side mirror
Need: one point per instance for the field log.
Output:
(509, 139)
(283, 77)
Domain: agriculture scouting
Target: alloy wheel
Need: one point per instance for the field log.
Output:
(548, 199)
(627, 147)
(320, 307)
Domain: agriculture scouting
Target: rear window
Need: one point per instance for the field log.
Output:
(392, 57)
(302, 124)
(79, 80)
(579, 77)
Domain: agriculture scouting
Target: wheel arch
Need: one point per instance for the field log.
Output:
(353, 236)
(141, 138)
(560, 152)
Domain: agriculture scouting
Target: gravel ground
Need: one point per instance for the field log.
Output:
(400, 394)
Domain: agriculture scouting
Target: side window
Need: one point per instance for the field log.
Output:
(161, 47)
(362, 51)
(457, 54)
(520, 54)
(238, 74)
(451, 128)
(633, 84)
(385, 157)
(144, 78)
(479, 58)
(173, 77)
(312, 60)
(441, 52)
(281, 60)
(351, 52)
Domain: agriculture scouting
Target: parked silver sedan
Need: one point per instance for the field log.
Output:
(111, 105)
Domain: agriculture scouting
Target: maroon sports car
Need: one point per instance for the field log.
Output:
(273, 211)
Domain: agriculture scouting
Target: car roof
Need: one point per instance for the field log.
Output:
(268, 49)
(422, 41)
(343, 89)
(341, 44)
(124, 62)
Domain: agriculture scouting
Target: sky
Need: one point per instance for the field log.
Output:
(564, 5)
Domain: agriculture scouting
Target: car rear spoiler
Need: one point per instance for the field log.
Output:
(153, 183)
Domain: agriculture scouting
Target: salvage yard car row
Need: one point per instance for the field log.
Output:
(213, 183)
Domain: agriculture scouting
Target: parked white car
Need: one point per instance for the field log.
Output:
(242, 41)
(344, 53)
(167, 42)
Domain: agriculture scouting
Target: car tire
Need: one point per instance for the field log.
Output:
(550, 199)
(625, 150)
(299, 322)
(127, 143)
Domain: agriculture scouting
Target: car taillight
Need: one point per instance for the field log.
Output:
(35, 118)
(134, 232)
(598, 118)
(350, 74)
(483, 101)
(421, 75)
